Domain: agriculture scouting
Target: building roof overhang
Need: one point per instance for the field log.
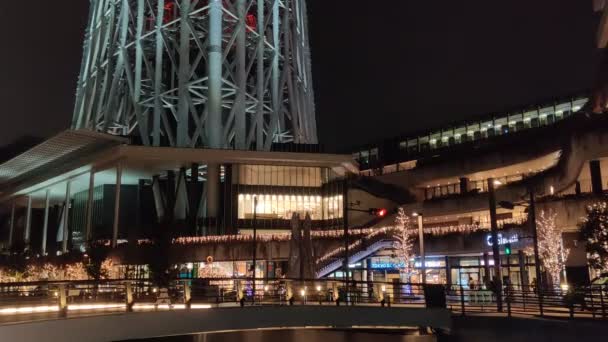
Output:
(71, 154)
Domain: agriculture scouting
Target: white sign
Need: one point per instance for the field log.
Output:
(502, 240)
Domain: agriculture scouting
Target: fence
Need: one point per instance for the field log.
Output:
(121, 295)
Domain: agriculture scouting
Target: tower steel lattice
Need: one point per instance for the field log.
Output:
(198, 73)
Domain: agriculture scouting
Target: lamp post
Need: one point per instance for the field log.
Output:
(532, 216)
(495, 248)
(421, 246)
(255, 245)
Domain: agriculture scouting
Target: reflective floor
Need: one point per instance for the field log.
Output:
(304, 335)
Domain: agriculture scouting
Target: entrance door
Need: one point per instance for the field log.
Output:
(468, 276)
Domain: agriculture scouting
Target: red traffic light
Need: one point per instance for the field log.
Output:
(379, 212)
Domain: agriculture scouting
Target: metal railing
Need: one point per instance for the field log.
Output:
(129, 295)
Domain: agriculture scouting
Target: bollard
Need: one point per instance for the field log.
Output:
(239, 290)
(336, 293)
(289, 292)
(129, 296)
(462, 300)
(388, 301)
(187, 294)
(63, 300)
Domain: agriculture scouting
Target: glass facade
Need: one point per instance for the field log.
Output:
(274, 193)
(283, 206)
(481, 129)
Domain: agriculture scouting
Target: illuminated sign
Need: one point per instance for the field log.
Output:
(502, 240)
(394, 265)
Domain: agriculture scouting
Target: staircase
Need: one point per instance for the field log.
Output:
(369, 246)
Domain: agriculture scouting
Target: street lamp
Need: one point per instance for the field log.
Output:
(421, 245)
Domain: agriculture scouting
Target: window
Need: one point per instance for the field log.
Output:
(280, 175)
(283, 206)
(460, 135)
(501, 126)
(435, 140)
(412, 145)
(531, 119)
(487, 129)
(563, 110)
(473, 131)
(516, 122)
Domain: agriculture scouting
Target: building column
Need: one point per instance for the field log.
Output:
(448, 272)
(116, 205)
(464, 185)
(66, 218)
(596, 177)
(213, 193)
(28, 222)
(11, 231)
(522, 269)
(486, 268)
(89, 224)
(45, 226)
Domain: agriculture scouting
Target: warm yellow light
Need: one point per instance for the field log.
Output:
(318, 288)
(303, 292)
(383, 288)
(30, 309)
(565, 287)
(200, 306)
(266, 288)
(76, 307)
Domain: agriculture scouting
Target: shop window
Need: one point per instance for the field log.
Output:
(412, 146)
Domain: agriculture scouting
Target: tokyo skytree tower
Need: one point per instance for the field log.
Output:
(198, 73)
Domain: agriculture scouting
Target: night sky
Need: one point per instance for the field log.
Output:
(381, 68)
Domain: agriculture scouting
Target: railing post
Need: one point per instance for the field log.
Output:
(63, 300)
(187, 293)
(602, 302)
(508, 295)
(462, 300)
(129, 296)
(540, 301)
(592, 300)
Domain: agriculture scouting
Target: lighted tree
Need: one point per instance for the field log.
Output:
(403, 241)
(550, 245)
(594, 231)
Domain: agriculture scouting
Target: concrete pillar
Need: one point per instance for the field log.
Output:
(213, 191)
(45, 226)
(486, 268)
(464, 185)
(448, 271)
(116, 205)
(66, 218)
(28, 222)
(596, 177)
(12, 226)
(522, 269)
(89, 224)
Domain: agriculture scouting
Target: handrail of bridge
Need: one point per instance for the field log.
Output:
(63, 297)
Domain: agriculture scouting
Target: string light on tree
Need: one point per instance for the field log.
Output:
(550, 246)
(594, 231)
(404, 241)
